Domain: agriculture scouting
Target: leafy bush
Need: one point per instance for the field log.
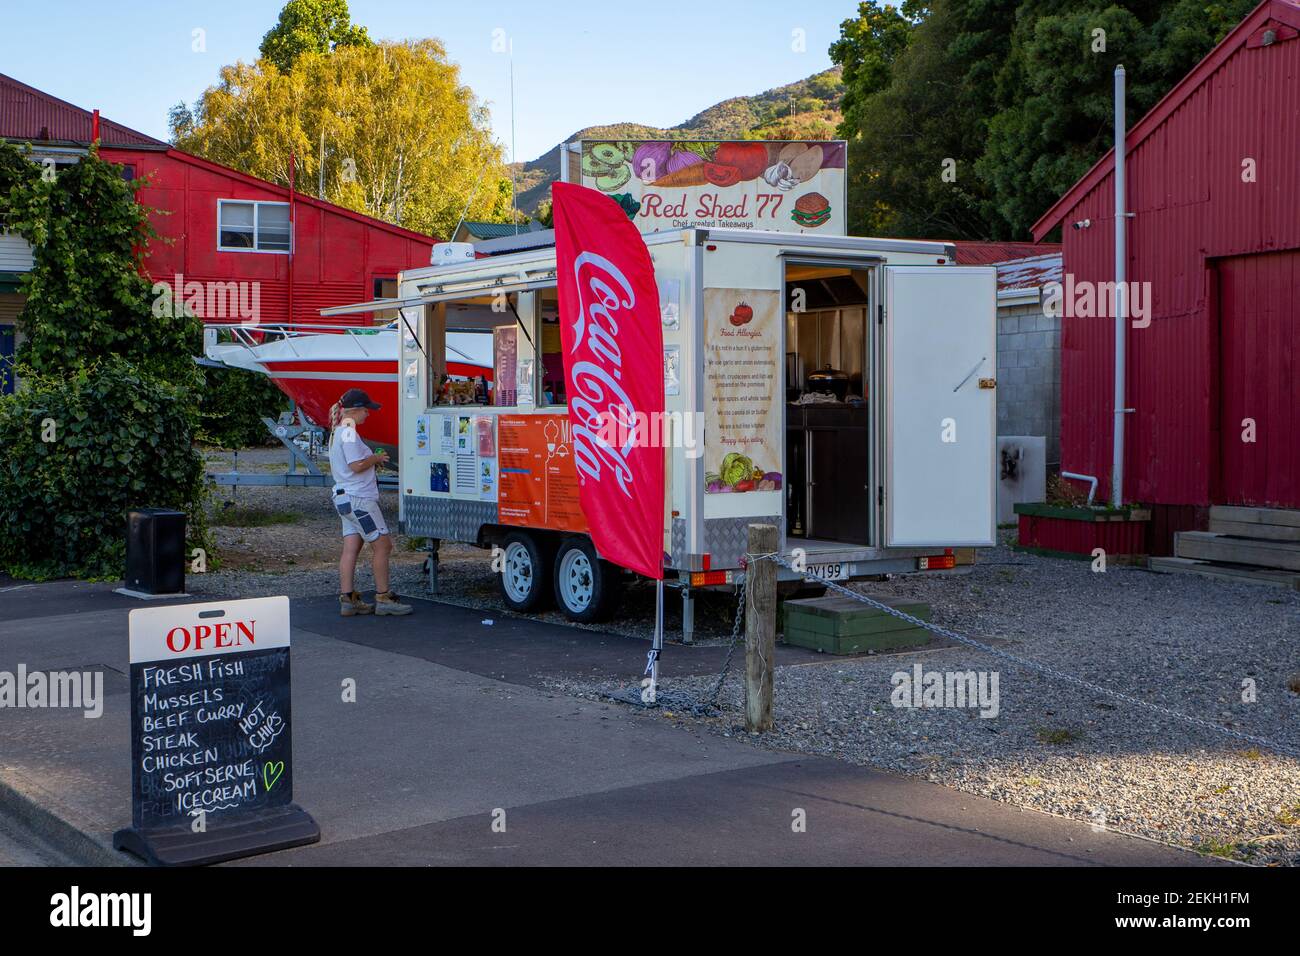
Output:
(120, 439)
(234, 401)
(87, 294)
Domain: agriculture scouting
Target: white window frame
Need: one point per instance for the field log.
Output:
(257, 227)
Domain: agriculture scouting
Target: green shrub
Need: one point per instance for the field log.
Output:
(77, 451)
(234, 401)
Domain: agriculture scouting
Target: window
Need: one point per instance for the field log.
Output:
(253, 226)
(384, 289)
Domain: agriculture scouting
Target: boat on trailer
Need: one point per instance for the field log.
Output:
(314, 364)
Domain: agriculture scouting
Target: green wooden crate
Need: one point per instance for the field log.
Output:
(836, 624)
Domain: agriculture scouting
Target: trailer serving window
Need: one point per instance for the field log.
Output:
(485, 347)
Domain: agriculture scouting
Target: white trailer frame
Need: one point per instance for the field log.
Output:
(931, 354)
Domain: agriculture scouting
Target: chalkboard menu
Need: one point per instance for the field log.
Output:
(210, 718)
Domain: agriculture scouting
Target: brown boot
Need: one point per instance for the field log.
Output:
(350, 604)
(388, 604)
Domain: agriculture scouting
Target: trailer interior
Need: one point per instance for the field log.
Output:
(829, 385)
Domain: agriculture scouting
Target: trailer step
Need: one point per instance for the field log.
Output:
(1239, 573)
(1208, 546)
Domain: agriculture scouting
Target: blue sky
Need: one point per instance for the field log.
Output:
(576, 64)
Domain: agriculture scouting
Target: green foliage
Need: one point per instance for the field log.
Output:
(234, 401)
(1055, 89)
(121, 439)
(87, 294)
(108, 409)
(311, 26)
(1012, 91)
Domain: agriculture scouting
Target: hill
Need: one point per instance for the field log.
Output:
(807, 109)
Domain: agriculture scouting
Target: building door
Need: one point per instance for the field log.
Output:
(6, 359)
(1259, 412)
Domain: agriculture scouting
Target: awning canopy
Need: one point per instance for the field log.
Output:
(435, 290)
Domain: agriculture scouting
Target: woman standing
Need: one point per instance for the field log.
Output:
(356, 498)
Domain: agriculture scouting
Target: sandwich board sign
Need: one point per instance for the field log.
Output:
(211, 737)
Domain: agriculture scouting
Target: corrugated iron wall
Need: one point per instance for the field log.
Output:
(1192, 206)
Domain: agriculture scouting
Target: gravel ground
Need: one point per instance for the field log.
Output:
(1184, 642)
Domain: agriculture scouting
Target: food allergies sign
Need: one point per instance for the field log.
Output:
(745, 184)
(210, 716)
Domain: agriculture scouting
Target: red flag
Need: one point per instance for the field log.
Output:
(613, 371)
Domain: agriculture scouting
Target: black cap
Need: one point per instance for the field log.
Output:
(356, 398)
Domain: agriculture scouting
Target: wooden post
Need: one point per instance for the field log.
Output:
(760, 629)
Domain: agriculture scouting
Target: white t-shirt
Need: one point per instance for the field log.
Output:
(346, 447)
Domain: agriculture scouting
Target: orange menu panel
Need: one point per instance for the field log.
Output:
(538, 483)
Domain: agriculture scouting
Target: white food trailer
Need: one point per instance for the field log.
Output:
(839, 388)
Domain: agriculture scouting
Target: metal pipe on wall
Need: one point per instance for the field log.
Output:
(1121, 293)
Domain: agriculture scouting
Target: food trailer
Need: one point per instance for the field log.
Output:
(839, 388)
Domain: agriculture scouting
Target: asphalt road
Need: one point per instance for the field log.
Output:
(451, 732)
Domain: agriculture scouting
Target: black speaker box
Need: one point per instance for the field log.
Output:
(155, 551)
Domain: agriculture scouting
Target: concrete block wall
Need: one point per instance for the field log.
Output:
(1029, 375)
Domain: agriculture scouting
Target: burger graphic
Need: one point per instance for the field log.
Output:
(811, 210)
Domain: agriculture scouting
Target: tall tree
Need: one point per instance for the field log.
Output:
(395, 133)
(993, 108)
(1055, 90)
(311, 26)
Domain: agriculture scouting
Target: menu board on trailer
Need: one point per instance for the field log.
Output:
(537, 479)
(744, 184)
(742, 419)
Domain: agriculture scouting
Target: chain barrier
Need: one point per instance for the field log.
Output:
(1045, 669)
(707, 703)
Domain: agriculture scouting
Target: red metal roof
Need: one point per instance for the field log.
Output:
(1031, 272)
(991, 253)
(1284, 13)
(29, 115)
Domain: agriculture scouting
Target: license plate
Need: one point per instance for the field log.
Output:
(830, 572)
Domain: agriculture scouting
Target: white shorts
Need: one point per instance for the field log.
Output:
(364, 519)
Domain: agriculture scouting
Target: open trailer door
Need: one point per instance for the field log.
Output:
(940, 411)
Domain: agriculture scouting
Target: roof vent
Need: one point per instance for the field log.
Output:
(1269, 38)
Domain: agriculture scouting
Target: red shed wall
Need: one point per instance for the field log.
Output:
(336, 256)
(1192, 207)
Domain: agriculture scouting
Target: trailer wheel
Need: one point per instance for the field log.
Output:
(525, 573)
(586, 587)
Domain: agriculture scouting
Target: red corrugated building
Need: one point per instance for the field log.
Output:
(1214, 188)
(223, 225)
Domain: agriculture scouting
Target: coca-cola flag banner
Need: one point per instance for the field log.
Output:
(613, 371)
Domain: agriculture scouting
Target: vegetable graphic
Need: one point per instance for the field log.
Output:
(780, 176)
(744, 312)
(721, 175)
(749, 158)
(806, 164)
(650, 161)
(681, 159)
(618, 176)
(608, 153)
(736, 468)
(692, 175)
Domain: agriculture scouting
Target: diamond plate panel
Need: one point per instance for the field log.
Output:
(447, 518)
(725, 539)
